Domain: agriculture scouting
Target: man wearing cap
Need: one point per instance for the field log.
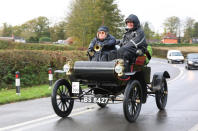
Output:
(106, 41)
(133, 43)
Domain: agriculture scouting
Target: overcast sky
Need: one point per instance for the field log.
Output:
(16, 12)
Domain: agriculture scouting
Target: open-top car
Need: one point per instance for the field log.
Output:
(106, 81)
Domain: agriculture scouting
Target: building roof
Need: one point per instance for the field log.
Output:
(170, 36)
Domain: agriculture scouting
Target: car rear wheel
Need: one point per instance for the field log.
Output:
(132, 100)
(61, 98)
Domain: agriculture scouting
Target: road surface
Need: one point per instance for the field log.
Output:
(181, 112)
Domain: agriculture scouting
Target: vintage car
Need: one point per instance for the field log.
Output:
(106, 81)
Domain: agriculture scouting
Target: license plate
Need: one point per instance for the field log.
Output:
(102, 100)
(196, 64)
(75, 87)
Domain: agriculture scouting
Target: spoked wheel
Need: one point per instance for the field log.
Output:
(61, 98)
(132, 100)
(162, 95)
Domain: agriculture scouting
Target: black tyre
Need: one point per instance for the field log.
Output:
(132, 100)
(102, 105)
(161, 96)
(61, 98)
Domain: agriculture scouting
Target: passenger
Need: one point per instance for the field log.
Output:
(106, 41)
(133, 43)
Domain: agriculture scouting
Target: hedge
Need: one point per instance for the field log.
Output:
(171, 45)
(44, 39)
(163, 52)
(32, 65)
(34, 46)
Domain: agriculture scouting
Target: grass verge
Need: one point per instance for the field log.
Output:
(9, 96)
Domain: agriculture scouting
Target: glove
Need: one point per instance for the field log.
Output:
(90, 49)
(139, 52)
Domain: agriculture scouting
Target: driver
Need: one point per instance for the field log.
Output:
(133, 43)
(106, 41)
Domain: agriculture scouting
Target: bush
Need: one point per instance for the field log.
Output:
(44, 39)
(34, 46)
(172, 45)
(32, 65)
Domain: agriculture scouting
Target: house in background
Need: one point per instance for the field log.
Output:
(13, 38)
(7, 38)
(194, 40)
(170, 38)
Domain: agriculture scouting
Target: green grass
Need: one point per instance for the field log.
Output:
(9, 96)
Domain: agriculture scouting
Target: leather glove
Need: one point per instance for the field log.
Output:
(90, 49)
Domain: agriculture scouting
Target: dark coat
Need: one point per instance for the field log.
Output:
(134, 38)
(108, 43)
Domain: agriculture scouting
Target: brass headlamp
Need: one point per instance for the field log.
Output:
(119, 67)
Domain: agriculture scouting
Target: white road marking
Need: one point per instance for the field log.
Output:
(181, 72)
(77, 111)
(177, 77)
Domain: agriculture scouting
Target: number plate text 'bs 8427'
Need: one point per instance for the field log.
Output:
(102, 100)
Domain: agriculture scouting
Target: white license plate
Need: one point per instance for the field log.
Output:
(102, 100)
(75, 87)
(196, 64)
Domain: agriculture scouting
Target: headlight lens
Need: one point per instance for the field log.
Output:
(190, 62)
(118, 69)
(66, 68)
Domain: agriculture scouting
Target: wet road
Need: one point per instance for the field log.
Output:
(181, 113)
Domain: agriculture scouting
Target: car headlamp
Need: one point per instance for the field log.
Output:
(67, 68)
(190, 62)
(119, 67)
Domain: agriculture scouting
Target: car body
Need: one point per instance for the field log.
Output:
(175, 56)
(60, 42)
(107, 82)
(191, 61)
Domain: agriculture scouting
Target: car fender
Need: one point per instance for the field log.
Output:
(157, 80)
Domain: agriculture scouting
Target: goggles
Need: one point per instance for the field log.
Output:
(101, 32)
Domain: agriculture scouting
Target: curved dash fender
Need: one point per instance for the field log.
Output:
(157, 80)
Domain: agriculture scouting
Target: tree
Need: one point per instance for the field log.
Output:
(172, 25)
(87, 15)
(58, 31)
(7, 30)
(35, 29)
(195, 30)
(157, 36)
(147, 31)
(17, 30)
(188, 29)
